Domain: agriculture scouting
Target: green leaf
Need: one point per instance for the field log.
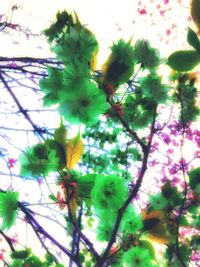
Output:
(21, 254)
(60, 152)
(194, 178)
(146, 244)
(8, 208)
(184, 221)
(51, 86)
(171, 193)
(60, 134)
(184, 60)
(52, 197)
(86, 184)
(193, 40)
(16, 263)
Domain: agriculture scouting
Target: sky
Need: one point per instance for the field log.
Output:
(163, 22)
(155, 20)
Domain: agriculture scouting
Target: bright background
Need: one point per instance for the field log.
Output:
(163, 22)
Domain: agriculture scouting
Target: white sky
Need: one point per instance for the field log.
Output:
(164, 25)
(108, 19)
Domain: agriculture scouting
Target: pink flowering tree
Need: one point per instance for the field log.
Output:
(129, 179)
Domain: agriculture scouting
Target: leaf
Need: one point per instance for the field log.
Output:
(74, 151)
(194, 177)
(60, 134)
(86, 183)
(51, 86)
(146, 244)
(184, 60)
(193, 40)
(8, 208)
(21, 254)
(52, 197)
(59, 150)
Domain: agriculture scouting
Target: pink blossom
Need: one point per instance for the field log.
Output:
(142, 11)
(166, 138)
(11, 163)
(61, 201)
(166, 2)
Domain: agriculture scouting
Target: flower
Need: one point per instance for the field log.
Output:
(109, 192)
(158, 201)
(38, 160)
(11, 162)
(153, 88)
(77, 46)
(82, 102)
(149, 57)
(8, 208)
(137, 257)
(131, 222)
(120, 64)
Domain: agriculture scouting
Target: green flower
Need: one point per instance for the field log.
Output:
(78, 45)
(146, 55)
(158, 201)
(104, 232)
(109, 192)
(120, 64)
(82, 102)
(139, 110)
(38, 160)
(153, 88)
(131, 222)
(124, 53)
(8, 208)
(137, 257)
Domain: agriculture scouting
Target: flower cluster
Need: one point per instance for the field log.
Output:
(79, 99)
(120, 65)
(146, 55)
(38, 160)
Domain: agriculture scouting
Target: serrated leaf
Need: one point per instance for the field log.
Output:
(184, 60)
(59, 150)
(193, 40)
(74, 151)
(60, 134)
(51, 86)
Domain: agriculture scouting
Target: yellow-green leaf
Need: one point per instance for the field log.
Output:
(74, 151)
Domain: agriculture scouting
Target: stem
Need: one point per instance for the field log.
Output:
(185, 183)
(128, 129)
(41, 230)
(8, 240)
(40, 239)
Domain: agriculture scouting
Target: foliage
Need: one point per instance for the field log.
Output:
(102, 175)
(8, 208)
